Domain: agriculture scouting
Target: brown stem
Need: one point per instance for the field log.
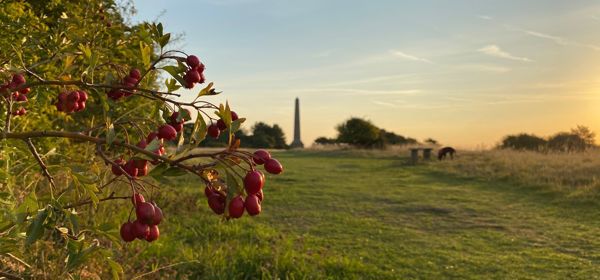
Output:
(89, 201)
(83, 137)
(37, 157)
(10, 276)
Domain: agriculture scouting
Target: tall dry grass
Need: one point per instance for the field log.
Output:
(577, 174)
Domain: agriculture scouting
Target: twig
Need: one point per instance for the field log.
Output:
(10, 276)
(37, 157)
(161, 268)
(85, 202)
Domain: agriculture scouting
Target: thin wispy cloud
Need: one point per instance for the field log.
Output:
(484, 17)
(495, 51)
(557, 39)
(353, 91)
(385, 104)
(405, 56)
(485, 68)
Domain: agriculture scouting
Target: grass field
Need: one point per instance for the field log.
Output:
(345, 215)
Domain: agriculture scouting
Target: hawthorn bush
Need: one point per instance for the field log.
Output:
(90, 124)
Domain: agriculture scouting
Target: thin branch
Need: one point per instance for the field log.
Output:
(10, 276)
(89, 201)
(37, 157)
(83, 137)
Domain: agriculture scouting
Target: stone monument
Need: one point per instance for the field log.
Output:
(297, 143)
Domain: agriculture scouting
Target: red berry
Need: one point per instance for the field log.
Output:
(261, 156)
(25, 90)
(145, 213)
(221, 124)
(83, 96)
(192, 76)
(80, 106)
(208, 191)
(143, 171)
(130, 168)
(140, 230)
(140, 163)
(115, 94)
(216, 202)
(192, 61)
(260, 195)
(200, 68)
(177, 126)
(167, 132)
(59, 106)
(236, 207)
(21, 98)
(135, 73)
(252, 205)
(75, 107)
(153, 233)
(254, 181)
(116, 170)
(137, 198)
(158, 215)
(18, 79)
(273, 166)
(234, 116)
(22, 111)
(129, 82)
(127, 232)
(73, 96)
(62, 97)
(151, 136)
(213, 131)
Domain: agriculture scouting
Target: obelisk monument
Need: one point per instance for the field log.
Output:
(297, 143)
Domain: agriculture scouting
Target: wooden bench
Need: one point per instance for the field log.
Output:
(414, 154)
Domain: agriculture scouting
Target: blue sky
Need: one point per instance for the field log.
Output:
(463, 72)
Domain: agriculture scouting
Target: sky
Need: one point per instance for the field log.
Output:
(465, 73)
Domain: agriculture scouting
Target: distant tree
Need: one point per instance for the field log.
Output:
(392, 138)
(266, 136)
(523, 141)
(585, 133)
(325, 141)
(359, 132)
(431, 141)
(567, 142)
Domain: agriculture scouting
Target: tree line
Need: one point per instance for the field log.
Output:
(364, 134)
(578, 139)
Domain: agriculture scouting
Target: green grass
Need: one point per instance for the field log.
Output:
(340, 215)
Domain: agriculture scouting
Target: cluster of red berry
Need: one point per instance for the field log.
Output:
(214, 129)
(129, 83)
(17, 96)
(145, 227)
(178, 125)
(139, 167)
(194, 74)
(253, 184)
(70, 102)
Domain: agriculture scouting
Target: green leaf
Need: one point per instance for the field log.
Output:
(164, 40)
(206, 90)
(175, 73)
(159, 28)
(36, 229)
(110, 133)
(115, 268)
(29, 205)
(171, 85)
(200, 130)
(235, 125)
(146, 52)
(87, 52)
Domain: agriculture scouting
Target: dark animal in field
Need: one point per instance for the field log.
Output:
(443, 152)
